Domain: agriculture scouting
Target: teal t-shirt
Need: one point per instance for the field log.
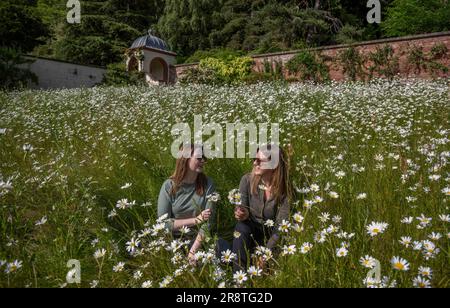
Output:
(185, 204)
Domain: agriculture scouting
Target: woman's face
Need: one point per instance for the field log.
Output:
(197, 161)
(260, 164)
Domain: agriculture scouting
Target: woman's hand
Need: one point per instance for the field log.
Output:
(204, 216)
(191, 259)
(260, 263)
(241, 213)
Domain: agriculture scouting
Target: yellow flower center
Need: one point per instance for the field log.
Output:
(399, 266)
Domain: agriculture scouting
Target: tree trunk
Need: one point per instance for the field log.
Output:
(312, 29)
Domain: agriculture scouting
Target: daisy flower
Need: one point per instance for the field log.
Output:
(407, 220)
(305, 248)
(147, 284)
(289, 250)
(133, 245)
(234, 197)
(368, 262)
(112, 214)
(99, 253)
(425, 272)
(446, 191)
(185, 230)
(444, 218)
(162, 218)
(361, 196)
(324, 217)
(336, 219)
(254, 271)
(165, 282)
(124, 204)
(421, 282)
(13, 267)
(137, 275)
(307, 204)
(119, 267)
(435, 236)
(240, 277)
(340, 174)
(399, 264)
(318, 199)
(332, 229)
(214, 197)
(42, 221)
(405, 241)
(284, 227)
(424, 221)
(228, 256)
(434, 177)
(297, 228)
(314, 188)
(269, 223)
(298, 218)
(376, 228)
(341, 252)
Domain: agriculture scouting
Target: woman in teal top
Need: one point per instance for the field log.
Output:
(183, 197)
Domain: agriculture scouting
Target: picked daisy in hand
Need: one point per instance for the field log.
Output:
(214, 197)
(234, 197)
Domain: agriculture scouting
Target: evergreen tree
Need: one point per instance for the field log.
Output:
(107, 28)
(21, 30)
(21, 27)
(187, 24)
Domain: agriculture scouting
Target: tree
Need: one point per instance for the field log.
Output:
(186, 24)
(21, 30)
(406, 17)
(269, 25)
(20, 26)
(107, 28)
(11, 75)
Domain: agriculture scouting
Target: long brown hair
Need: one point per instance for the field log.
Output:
(281, 186)
(181, 169)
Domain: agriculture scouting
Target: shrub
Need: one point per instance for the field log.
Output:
(216, 71)
(222, 54)
(309, 65)
(352, 62)
(421, 61)
(384, 62)
(117, 75)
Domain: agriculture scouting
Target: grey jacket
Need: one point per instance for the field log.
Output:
(261, 211)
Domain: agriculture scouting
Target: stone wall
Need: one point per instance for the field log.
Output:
(401, 47)
(54, 74)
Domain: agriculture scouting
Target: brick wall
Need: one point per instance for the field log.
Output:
(401, 47)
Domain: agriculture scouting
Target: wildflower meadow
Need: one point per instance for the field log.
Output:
(81, 170)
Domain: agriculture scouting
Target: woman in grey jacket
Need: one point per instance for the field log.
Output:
(265, 194)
